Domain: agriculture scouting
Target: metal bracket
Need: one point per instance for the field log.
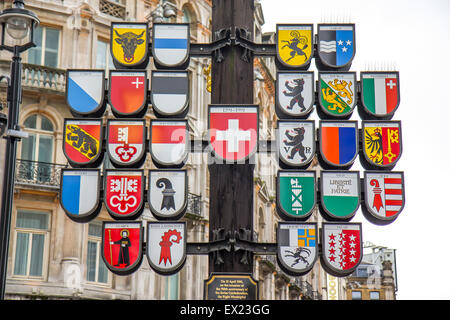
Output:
(243, 241)
(242, 38)
(213, 49)
(221, 241)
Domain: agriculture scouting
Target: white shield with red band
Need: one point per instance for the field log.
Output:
(169, 142)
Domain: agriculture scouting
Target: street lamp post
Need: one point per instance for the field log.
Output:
(18, 23)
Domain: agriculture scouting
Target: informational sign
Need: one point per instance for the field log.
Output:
(126, 141)
(129, 45)
(294, 45)
(122, 249)
(124, 193)
(296, 143)
(171, 45)
(296, 194)
(167, 193)
(338, 142)
(380, 94)
(233, 131)
(339, 194)
(85, 92)
(297, 247)
(127, 94)
(342, 249)
(80, 193)
(337, 94)
(166, 246)
(170, 93)
(336, 45)
(382, 144)
(384, 196)
(231, 286)
(83, 141)
(294, 94)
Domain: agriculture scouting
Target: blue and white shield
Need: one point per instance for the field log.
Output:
(336, 45)
(170, 45)
(80, 193)
(85, 91)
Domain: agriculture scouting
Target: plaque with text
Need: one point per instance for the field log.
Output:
(231, 286)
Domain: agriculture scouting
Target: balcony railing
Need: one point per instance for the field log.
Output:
(113, 9)
(194, 205)
(38, 174)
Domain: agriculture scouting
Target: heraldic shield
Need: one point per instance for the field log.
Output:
(233, 131)
(297, 247)
(167, 193)
(129, 45)
(296, 194)
(380, 95)
(124, 193)
(382, 144)
(122, 246)
(127, 93)
(166, 246)
(342, 248)
(169, 142)
(338, 141)
(171, 45)
(170, 93)
(296, 143)
(294, 46)
(126, 142)
(85, 92)
(336, 46)
(384, 196)
(337, 94)
(79, 193)
(339, 194)
(294, 94)
(83, 142)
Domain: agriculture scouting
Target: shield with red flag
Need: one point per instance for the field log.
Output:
(126, 142)
(233, 131)
(127, 93)
(124, 193)
(166, 246)
(122, 244)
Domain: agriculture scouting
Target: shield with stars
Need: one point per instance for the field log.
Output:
(127, 93)
(337, 94)
(124, 193)
(336, 45)
(170, 45)
(382, 144)
(166, 246)
(294, 94)
(342, 248)
(233, 131)
(380, 94)
(296, 143)
(297, 247)
(384, 196)
(129, 45)
(294, 45)
(122, 246)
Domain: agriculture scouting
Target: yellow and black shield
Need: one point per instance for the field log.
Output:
(294, 45)
(129, 45)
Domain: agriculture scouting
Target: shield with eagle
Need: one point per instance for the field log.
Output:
(129, 45)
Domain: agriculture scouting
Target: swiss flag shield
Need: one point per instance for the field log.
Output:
(233, 131)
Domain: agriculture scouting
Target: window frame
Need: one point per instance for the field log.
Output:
(43, 44)
(98, 241)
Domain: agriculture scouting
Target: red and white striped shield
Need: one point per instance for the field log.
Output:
(169, 142)
(233, 131)
(384, 196)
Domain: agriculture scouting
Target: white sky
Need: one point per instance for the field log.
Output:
(413, 38)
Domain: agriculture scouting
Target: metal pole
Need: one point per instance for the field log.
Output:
(14, 99)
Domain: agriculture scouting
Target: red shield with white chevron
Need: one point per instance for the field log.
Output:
(384, 196)
(233, 131)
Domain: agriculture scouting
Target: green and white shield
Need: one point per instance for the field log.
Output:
(296, 194)
(340, 194)
(337, 93)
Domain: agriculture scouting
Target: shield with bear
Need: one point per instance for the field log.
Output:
(296, 143)
(294, 94)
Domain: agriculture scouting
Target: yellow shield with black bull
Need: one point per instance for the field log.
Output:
(294, 45)
(129, 45)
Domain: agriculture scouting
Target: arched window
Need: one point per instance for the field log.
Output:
(189, 17)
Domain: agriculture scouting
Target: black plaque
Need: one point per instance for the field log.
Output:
(231, 286)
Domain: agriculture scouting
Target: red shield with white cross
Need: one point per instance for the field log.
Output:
(233, 131)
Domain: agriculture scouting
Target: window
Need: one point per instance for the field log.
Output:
(374, 295)
(104, 58)
(356, 295)
(31, 238)
(46, 52)
(96, 270)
